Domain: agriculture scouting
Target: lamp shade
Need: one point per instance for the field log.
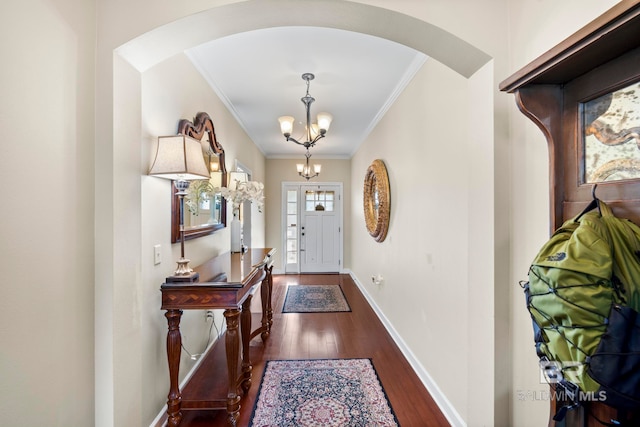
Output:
(324, 121)
(315, 131)
(179, 157)
(286, 125)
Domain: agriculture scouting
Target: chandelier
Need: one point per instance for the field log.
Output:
(314, 131)
(304, 170)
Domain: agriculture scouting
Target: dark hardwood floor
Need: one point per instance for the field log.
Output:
(355, 334)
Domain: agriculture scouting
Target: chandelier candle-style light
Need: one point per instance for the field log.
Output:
(314, 131)
(304, 170)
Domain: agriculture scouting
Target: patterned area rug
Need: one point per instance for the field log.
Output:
(314, 299)
(321, 393)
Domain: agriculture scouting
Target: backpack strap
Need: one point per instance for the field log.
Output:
(595, 203)
(632, 236)
(571, 393)
(605, 210)
(537, 331)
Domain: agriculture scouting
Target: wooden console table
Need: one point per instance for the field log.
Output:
(226, 282)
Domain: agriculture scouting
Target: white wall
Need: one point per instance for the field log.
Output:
(427, 260)
(46, 223)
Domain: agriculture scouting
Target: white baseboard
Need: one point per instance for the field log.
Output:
(441, 400)
(280, 271)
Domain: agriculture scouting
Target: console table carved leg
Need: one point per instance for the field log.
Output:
(267, 310)
(174, 344)
(245, 331)
(270, 284)
(265, 297)
(232, 345)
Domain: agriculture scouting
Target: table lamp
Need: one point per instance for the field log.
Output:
(180, 159)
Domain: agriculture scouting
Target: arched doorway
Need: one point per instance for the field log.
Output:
(157, 45)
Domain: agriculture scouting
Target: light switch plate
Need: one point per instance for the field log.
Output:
(157, 255)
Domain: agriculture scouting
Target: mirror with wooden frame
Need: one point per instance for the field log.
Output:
(204, 212)
(377, 200)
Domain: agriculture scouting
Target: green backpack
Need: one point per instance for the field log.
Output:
(583, 295)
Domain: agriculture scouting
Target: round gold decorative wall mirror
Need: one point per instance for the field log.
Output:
(377, 200)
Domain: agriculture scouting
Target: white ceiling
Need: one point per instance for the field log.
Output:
(257, 74)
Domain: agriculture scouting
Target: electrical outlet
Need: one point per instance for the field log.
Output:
(208, 314)
(157, 255)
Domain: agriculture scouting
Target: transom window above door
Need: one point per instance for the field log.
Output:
(319, 200)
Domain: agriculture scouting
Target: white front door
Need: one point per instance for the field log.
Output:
(320, 229)
(313, 227)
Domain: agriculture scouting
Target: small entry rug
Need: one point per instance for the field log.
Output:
(314, 299)
(321, 393)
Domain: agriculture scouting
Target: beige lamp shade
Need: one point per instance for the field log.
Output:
(179, 157)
